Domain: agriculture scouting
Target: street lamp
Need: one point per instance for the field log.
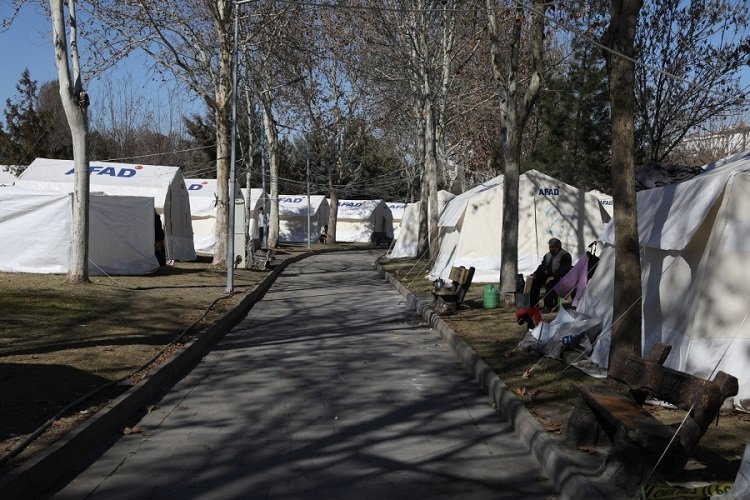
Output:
(233, 156)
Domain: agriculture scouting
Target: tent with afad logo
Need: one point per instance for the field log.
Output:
(695, 264)
(301, 217)
(162, 183)
(203, 203)
(359, 221)
(36, 228)
(471, 225)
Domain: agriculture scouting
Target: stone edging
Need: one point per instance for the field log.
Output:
(568, 477)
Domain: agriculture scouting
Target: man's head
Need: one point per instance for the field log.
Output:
(554, 245)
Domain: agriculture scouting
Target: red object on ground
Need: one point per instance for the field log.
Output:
(534, 313)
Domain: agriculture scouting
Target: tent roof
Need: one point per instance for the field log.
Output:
(358, 209)
(668, 216)
(455, 208)
(256, 195)
(397, 209)
(296, 205)
(110, 178)
(203, 195)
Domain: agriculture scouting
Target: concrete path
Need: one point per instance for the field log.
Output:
(329, 389)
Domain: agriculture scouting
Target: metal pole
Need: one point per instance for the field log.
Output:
(233, 158)
(309, 236)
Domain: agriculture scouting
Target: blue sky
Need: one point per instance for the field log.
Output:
(28, 44)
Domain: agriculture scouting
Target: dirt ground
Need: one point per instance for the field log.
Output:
(60, 343)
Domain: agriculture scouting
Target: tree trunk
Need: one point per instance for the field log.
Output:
(75, 103)
(509, 244)
(223, 151)
(423, 247)
(272, 142)
(515, 110)
(430, 178)
(333, 214)
(626, 330)
(222, 113)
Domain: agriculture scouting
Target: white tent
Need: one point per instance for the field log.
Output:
(407, 242)
(471, 225)
(605, 200)
(7, 176)
(358, 220)
(203, 214)
(695, 264)
(164, 184)
(257, 200)
(36, 230)
(397, 212)
(294, 211)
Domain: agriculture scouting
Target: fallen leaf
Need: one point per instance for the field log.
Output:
(520, 391)
(527, 372)
(131, 430)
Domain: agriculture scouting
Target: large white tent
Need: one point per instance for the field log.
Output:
(471, 225)
(36, 230)
(203, 214)
(407, 242)
(358, 220)
(294, 212)
(695, 264)
(397, 213)
(164, 184)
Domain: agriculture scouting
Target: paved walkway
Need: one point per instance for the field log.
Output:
(329, 389)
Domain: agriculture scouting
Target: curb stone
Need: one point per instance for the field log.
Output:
(572, 480)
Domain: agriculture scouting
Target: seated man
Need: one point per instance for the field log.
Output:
(554, 266)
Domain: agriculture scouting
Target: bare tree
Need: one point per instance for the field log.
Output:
(415, 50)
(515, 109)
(691, 55)
(192, 40)
(75, 102)
(270, 42)
(626, 331)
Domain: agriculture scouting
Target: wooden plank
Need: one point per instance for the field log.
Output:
(622, 412)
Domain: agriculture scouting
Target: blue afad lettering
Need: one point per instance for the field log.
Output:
(290, 200)
(98, 170)
(195, 187)
(549, 192)
(351, 204)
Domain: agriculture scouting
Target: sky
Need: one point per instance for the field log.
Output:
(28, 44)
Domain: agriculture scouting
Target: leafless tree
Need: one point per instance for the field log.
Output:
(691, 56)
(75, 102)
(516, 105)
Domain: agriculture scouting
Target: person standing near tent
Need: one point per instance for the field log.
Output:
(262, 226)
(159, 250)
(323, 233)
(555, 264)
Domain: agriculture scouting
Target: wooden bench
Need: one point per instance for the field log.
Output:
(448, 296)
(638, 440)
